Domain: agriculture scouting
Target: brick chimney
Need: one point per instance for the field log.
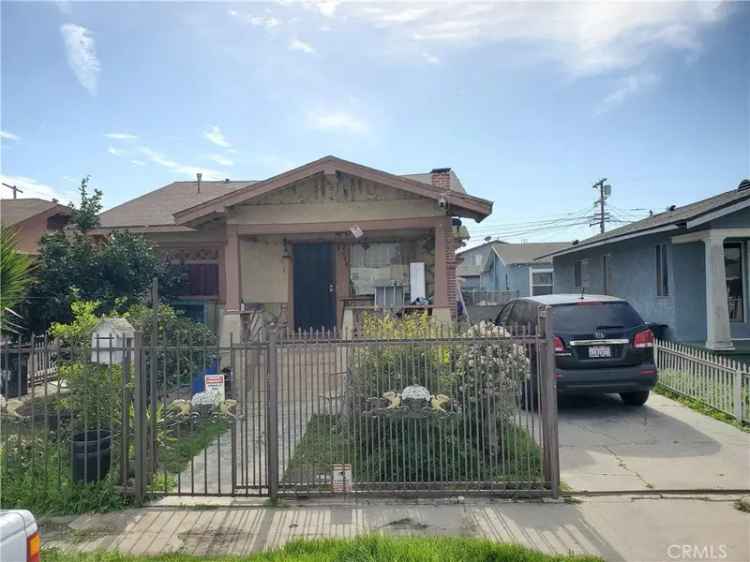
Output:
(441, 178)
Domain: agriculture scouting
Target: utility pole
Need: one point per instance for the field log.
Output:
(15, 189)
(604, 192)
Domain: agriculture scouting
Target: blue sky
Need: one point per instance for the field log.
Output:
(529, 103)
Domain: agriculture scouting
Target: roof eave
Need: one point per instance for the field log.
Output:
(460, 203)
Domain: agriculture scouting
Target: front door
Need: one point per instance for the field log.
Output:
(314, 289)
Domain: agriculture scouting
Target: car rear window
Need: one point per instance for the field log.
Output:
(587, 316)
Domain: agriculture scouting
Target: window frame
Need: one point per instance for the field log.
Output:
(744, 253)
(662, 270)
(551, 285)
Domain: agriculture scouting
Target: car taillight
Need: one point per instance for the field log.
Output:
(643, 339)
(558, 344)
(34, 548)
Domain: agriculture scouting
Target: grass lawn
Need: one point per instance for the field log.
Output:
(185, 443)
(363, 549)
(373, 448)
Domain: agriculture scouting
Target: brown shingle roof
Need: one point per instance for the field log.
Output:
(531, 252)
(13, 211)
(157, 207)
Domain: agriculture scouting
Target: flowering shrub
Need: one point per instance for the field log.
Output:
(479, 373)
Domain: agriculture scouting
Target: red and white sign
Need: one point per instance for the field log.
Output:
(215, 385)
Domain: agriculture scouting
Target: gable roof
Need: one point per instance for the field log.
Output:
(685, 217)
(14, 211)
(456, 203)
(527, 253)
(157, 207)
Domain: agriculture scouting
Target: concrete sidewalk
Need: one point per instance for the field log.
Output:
(634, 528)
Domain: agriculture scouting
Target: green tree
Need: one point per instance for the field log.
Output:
(15, 279)
(86, 215)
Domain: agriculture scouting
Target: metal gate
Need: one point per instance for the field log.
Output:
(293, 413)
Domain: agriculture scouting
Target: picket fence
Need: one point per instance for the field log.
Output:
(714, 380)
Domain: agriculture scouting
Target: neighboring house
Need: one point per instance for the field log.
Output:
(308, 247)
(686, 268)
(31, 219)
(470, 264)
(519, 269)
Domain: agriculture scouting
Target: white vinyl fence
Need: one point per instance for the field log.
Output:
(719, 382)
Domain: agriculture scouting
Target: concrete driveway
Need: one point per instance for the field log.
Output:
(606, 446)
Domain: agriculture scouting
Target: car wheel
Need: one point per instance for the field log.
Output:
(635, 398)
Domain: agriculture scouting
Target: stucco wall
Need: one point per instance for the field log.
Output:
(317, 200)
(689, 272)
(519, 280)
(633, 276)
(263, 271)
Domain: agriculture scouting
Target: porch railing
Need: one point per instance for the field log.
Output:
(716, 381)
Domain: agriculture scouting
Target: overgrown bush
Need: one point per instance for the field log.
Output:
(476, 381)
(35, 474)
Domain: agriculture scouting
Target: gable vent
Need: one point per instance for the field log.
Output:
(744, 185)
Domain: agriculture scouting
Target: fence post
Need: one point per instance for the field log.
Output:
(549, 406)
(272, 418)
(125, 412)
(140, 420)
(738, 402)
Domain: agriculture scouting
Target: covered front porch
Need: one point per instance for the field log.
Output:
(324, 276)
(726, 284)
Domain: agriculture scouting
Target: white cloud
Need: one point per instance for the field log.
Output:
(221, 160)
(585, 38)
(326, 8)
(8, 136)
(628, 87)
(81, 52)
(432, 59)
(115, 151)
(215, 135)
(138, 162)
(34, 188)
(121, 136)
(340, 121)
(268, 22)
(298, 45)
(181, 169)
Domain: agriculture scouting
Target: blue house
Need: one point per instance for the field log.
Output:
(686, 268)
(513, 270)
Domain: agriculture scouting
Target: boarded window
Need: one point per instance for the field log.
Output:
(202, 280)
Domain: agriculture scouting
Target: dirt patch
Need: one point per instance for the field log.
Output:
(407, 523)
(212, 539)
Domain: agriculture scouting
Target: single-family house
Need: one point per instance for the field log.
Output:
(309, 247)
(518, 269)
(686, 268)
(32, 218)
(470, 262)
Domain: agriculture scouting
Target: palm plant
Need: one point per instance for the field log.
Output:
(15, 279)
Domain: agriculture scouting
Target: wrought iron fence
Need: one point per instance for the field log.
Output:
(299, 413)
(716, 381)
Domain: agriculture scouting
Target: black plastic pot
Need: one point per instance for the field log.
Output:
(91, 455)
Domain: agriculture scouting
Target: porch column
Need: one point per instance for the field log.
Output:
(718, 334)
(442, 230)
(232, 269)
(231, 325)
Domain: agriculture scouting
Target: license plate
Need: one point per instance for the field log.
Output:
(599, 351)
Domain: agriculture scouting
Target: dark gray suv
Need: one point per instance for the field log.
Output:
(601, 343)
